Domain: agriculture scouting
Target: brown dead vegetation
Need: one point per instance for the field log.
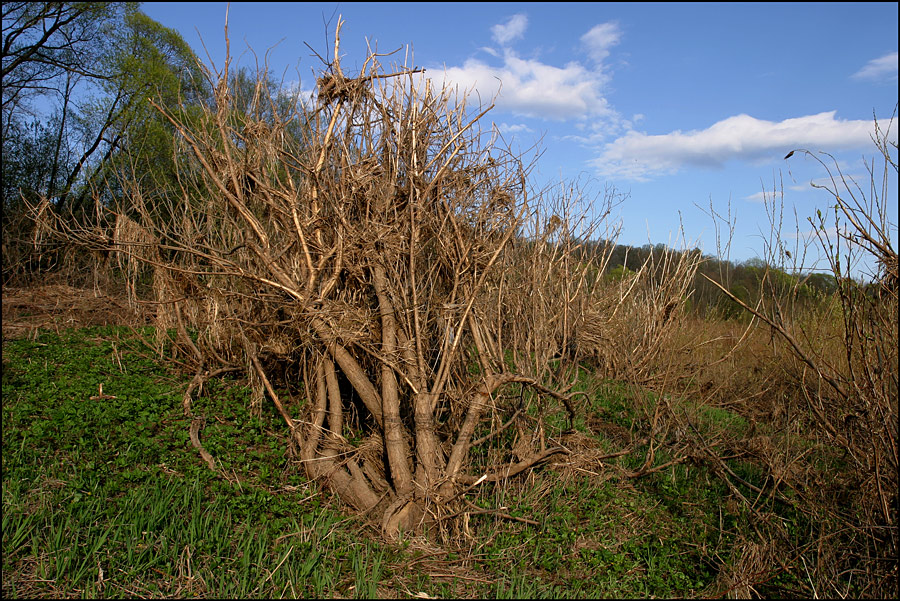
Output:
(398, 267)
(390, 286)
(27, 310)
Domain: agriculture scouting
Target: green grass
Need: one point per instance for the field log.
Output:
(105, 497)
(599, 540)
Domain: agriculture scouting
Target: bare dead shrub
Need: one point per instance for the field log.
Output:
(80, 256)
(393, 263)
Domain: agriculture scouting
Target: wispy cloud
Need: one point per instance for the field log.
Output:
(515, 128)
(600, 39)
(760, 196)
(814, 185)
(879, 69)
(514, 28)
(533, 88)
(293, 89)
(827, 182)
(813, 238)
(640, 156)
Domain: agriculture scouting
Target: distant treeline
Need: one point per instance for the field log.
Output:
(748, 280)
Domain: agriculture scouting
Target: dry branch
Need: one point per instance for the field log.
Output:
(196, 426)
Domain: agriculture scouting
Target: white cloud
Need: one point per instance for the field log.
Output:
(808, 186)
(530, 87)
(879, 69)
(533, 88)
(759, 196)
(808, 237)
(506, 128)
(640, 156)
(295, 89)
(827, 182)
(600, 39)
(514, 28)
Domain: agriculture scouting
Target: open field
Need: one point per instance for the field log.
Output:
(104, 496)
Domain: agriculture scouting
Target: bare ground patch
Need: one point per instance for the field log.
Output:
(58, 306)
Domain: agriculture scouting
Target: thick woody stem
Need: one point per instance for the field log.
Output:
(479, 403)
(351, 369)
(395, 443)
(321, 460)
(336, 414)
(429, 457)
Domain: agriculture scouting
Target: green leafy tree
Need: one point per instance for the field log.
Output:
(78, 79)
(86, 72)
(51, 52)
(152, 64)
(44, 42)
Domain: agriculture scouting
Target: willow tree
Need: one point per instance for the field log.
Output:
(391, 263)
(76, 81)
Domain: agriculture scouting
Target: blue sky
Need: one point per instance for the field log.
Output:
(681, 106)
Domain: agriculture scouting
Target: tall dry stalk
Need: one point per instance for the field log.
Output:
(840, 354)
(631, 330)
